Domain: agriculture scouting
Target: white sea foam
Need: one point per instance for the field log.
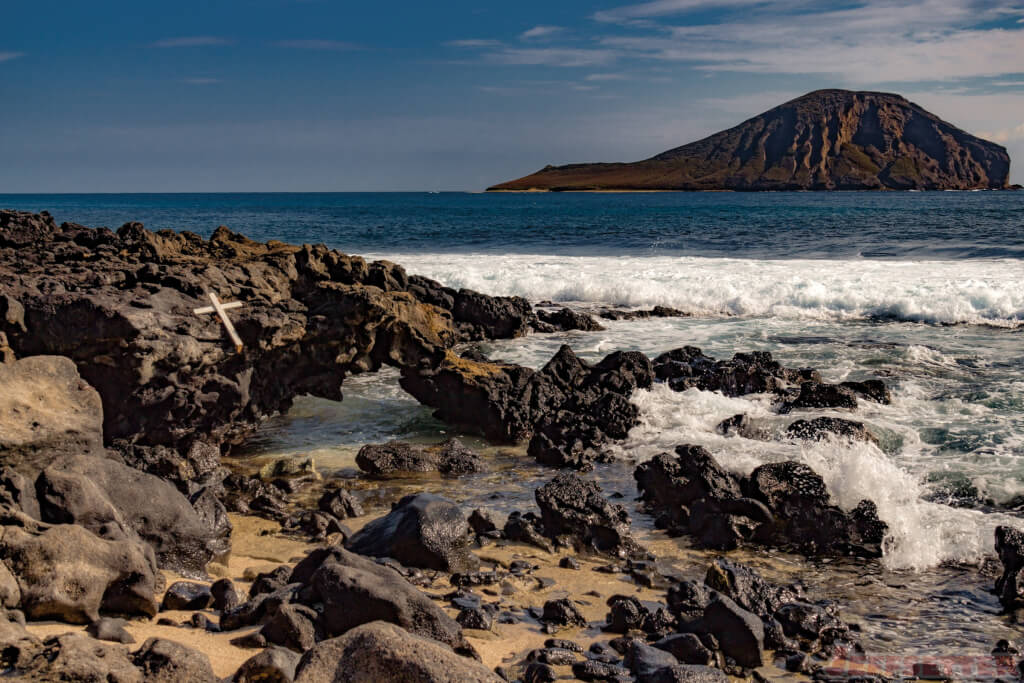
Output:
(921, 534)
(945, 292)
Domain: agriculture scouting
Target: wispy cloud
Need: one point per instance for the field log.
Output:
(606, 77)
(660, 8)
(314, 44)
(473, 42)
(540, 32)
(201, 81)
(1005, 135)
(192, 41)
(554, 56)
(7, 56)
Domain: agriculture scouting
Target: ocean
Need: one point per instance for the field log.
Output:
(924, 290)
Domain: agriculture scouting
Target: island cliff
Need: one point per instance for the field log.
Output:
(825, 140)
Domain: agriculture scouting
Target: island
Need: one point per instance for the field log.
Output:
(824, 140)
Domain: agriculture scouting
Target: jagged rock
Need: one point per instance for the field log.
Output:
(821, 395)
(450, 458)
(380, 651)
(591, 670)
(643, 314)
(273, 665)
(571, 506)
(568, 406)
(526, 528)
(821, 427)
(748, 589)
(256, 610)
(872, 389)
(165, 661)
(1010, 549)
(476, 618)
(746, 373)
(565, 319)
(68, 573)
(562, 613)
(186, 595)
(115, 501)
(423, 530)
(120, 306)
(46, 410)
(806, 517)
(340, 503)
(779, 504)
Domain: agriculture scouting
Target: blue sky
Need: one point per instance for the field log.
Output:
(325, 95)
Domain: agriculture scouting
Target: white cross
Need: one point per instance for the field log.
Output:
(221, 310)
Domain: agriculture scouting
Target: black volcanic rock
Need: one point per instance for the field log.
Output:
(824, 140)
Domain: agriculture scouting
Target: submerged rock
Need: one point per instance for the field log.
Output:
(423, 530)
(565, 319)
(746, 373)
(779, 504)
(450, 457)
(1010, 549)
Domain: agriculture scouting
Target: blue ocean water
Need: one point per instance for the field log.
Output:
(933, 225)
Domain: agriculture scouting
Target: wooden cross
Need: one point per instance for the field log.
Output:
(221, 310)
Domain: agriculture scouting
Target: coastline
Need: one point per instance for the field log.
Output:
(431, 335)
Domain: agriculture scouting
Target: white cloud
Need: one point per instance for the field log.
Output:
(569, 57)
(659, 8)
(540, 32)
(192, 41)
(606, 77)
(7, 56)
(473, 42)
(329, 45)
(1005, 135)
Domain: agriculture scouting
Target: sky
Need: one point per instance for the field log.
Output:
(332, 95)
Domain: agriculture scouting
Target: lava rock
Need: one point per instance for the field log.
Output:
(562, 613)
(571, 506)
(565, 319)
(110, 629)
(379, 651)
(340, 503)
(273, 665)
(450, 458)
(423, 530)
(224, 595)
(821, 427)
(185, 595)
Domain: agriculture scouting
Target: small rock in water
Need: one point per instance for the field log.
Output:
(561, 613)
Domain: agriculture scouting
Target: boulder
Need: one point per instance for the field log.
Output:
(115, 500)
(450, 457)
(562, 613)
(273, 665)
(739, 633)
(17, 645)
(47, 410)
(821, 395)
(380, 652)
(66, 572)
(110, 629)
(186, 595)
(423, 530)
(292, 626)
(571, 506)
(352, 591)
(74, 657)
(165, 661)
(746, 373)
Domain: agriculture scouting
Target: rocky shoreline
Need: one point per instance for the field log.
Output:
(119, 407)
